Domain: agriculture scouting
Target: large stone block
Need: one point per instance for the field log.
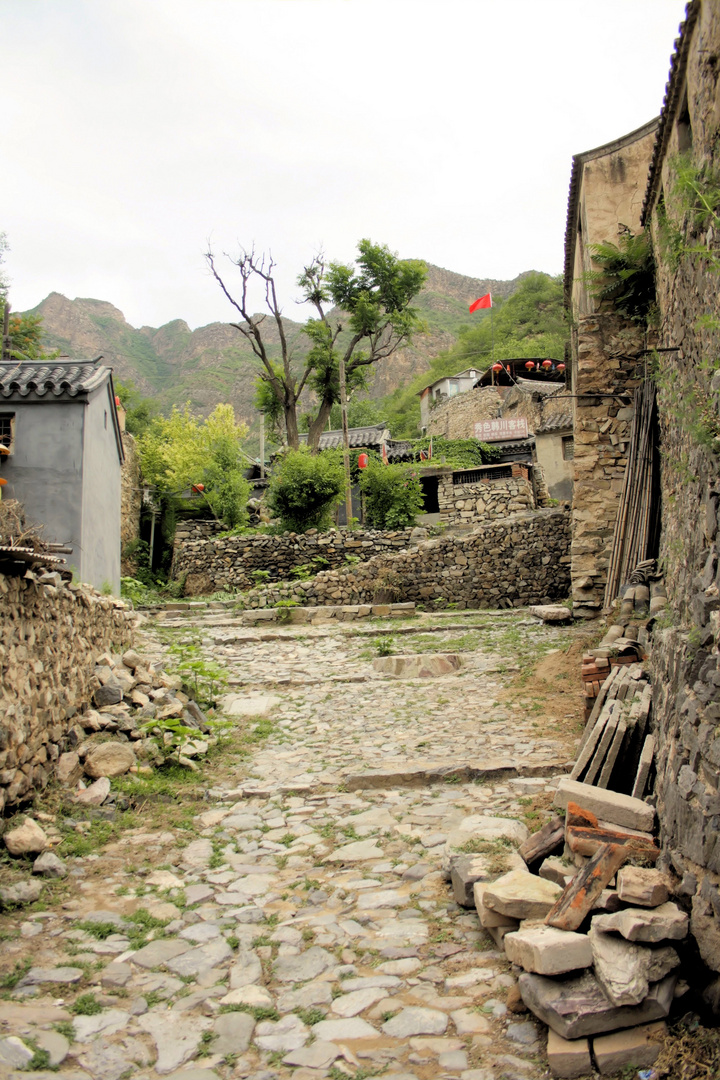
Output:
(521, 895)
(607, 805)
(664, 923)
(638, 885)
(568, 1058)
(625, 969)
(637, 1047)
(578, 1007)
(548, 951)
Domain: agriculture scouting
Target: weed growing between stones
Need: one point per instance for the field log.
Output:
(86, 1005)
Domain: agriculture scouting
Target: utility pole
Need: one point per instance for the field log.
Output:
(346, 442)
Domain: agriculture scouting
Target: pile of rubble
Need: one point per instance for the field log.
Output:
(140, 717)
(588, 928)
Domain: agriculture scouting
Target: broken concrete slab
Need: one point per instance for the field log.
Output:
(578, 1007)
(568, 1058)
(548, 951)
(649, 925)
(642, 887)
(625, 969)
(611, 806)
(638, 1047)
(521, 895)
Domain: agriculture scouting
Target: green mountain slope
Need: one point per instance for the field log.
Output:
(173, 364)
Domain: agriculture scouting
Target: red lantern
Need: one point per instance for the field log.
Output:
(561, 367)
(363, 461)
(117, 402)
(529, 365)
(197, 487)
(497, 367)
(547, 364)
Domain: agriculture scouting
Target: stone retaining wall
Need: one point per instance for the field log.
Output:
(485, 500)
(52, 635)
(521, 560)
(229, 562)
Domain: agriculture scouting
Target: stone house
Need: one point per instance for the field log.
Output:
(59, 421)
(656, 177)
(607, 188)
(531, 415)
(444, 389)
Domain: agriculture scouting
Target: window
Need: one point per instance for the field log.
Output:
(568, 448)
(7, 429)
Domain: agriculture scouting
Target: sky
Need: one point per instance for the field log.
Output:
(137, 132)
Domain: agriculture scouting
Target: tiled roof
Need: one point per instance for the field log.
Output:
(555, 423)
(362, 436)
(52, 379)
(535, 386)
(673, 88)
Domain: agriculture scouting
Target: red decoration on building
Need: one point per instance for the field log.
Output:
(363, 461)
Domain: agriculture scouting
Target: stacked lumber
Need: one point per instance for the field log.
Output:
(594, 939)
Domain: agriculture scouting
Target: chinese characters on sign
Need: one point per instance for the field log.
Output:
(499, 430)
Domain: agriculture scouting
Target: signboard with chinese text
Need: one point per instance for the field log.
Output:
(501, 430)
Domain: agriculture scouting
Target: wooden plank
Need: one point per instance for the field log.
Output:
(597, 707)
(578, 898)
(542, 843)
(612, 754)
(589, 841)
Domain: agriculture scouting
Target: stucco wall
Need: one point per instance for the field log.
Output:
(100, 537)
(45, 467)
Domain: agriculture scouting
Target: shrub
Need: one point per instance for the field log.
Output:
(393, 495)
(304, 488)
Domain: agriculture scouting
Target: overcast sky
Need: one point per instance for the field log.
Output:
(134, 130)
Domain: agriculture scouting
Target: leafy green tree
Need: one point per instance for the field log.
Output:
(393, 495)
(139, 411)
(304, 488)
(363, 313)
(182, 451)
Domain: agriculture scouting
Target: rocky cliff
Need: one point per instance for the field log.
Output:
(174, 364)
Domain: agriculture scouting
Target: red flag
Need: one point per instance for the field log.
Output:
(484, 302)
(383, 453)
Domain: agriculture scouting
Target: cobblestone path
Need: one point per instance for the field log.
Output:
(297, 921)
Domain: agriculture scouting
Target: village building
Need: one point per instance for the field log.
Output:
(59, 424)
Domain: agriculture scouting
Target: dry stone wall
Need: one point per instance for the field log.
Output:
(52, 634)
(610, 367)
(130, 503)
(456, 417)
(521, 560)
(229, 562)
(485, 500)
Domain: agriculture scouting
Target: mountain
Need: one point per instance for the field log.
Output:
(174, 364)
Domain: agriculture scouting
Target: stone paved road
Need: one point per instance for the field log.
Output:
(309, 931)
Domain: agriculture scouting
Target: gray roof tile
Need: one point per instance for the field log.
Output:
(49, 379)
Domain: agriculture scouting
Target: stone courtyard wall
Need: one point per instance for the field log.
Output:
(52, 634)
(521, 560)
(130, 504)
(229, 562)
(485, 500)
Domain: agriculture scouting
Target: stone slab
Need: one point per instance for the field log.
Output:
(649, 925)
(521, 895)
(568, 1058)
(641, 887)
(548, 951)
(609, 805)
(637, 1047)
(575, 1008)
(625, 969)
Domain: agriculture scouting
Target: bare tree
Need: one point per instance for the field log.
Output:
(363, 314)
